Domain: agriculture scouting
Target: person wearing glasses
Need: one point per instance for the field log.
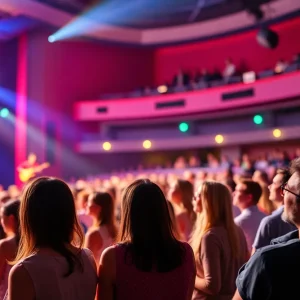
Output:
(271, 271)
(273, 226)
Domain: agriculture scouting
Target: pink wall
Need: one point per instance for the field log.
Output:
(242, 48)
(61, 73)
(273, 89)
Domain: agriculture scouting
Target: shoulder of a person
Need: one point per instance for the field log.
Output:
(88, 252)
(18, 272)
(285, 238)
(93, 233)
(266, 253)
(108, 255)
(243, 220)
(239, 219)
(186, 245)
(213, 234)
(267, 220)
(90, 257)
(5, 244)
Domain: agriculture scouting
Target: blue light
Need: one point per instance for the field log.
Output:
(4, 113)
(51, 39)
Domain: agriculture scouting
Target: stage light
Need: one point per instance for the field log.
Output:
(219, 139)
(183, 127)
(162, 89)
(4, 113)
(51, 39)
(267, 38)
(277, 133)
(147, 144)
(258, 119)
(106, 146)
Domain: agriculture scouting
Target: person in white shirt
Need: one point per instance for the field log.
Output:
(229, 70)
(246, 196)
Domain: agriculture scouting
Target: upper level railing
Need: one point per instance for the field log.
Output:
(273, 89)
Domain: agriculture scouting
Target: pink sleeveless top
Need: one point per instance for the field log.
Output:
(133, 284)
(47, 274)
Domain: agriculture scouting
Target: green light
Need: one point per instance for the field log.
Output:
(183, 127)
(258, 119)
(4, 113)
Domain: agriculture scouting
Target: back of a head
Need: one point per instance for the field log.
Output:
(187, 191)
(4, 197)
(253, 188)
(106, 215)
(12, 207)
(261, 177)
(48, 218)
(147, 228)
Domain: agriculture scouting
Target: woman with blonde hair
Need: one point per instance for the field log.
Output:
(103, 232)
(181, 195)
(219, 246)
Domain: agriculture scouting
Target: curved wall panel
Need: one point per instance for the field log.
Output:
(275, 89)
(242, 48)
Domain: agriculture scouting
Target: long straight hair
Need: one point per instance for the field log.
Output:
(216, 211)
(187, 191)
(106, 215)
(146, 229)
(48, 219)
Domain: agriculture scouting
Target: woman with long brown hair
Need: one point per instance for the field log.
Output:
(219, 245)
(103, 232)
(50, 262)
(181, 195)
(148, 262)
(8, 245)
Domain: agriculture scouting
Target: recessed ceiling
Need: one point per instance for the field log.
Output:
(149, 22)
(153, 13)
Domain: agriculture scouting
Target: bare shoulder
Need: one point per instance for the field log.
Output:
(92, 232)
(6, 241)
(107, 266)
(108, 255)
(7, 245)
(91, 257)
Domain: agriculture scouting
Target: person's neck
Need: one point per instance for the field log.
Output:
(96, 223)
(278, 204)
(10, 233)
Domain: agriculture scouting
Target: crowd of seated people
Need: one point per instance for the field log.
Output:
(187, 236)
(187, 80)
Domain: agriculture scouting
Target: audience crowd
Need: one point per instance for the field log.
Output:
(187, 79)
(190, 236)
